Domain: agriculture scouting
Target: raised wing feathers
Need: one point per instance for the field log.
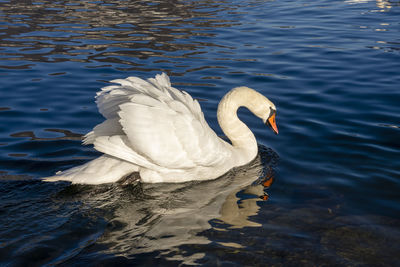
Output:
(157, 126)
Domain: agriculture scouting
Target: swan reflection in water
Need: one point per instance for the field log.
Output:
(160, 217)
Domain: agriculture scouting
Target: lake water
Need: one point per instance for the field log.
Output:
(331, 67)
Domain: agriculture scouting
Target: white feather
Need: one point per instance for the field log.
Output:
(109, 127)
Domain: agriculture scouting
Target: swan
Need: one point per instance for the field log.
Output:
(160, 132)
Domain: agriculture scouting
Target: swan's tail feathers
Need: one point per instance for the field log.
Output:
(54, 178)
(104, 169)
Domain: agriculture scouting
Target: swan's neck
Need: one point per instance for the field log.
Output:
(239, 134)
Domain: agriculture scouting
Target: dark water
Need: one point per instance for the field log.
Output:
(331, 67)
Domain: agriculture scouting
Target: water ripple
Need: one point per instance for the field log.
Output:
(331, 68)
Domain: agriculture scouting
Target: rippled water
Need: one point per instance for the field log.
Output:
(331, 68)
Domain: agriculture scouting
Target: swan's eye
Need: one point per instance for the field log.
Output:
(271, 112)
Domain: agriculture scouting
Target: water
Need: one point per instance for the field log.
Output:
(331, 68)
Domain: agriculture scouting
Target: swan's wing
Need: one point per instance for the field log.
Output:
(162, 124)
(150, 93)
(157, 89)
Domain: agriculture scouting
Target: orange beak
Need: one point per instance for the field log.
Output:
(271, 122)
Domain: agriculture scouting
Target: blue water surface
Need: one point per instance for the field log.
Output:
(332, 68)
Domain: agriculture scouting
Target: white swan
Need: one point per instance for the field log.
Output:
(160, 132)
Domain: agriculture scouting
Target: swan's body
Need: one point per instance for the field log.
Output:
(160, 132)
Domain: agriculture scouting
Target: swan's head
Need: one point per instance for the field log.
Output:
(244, 96)
(262, 107)
(265, 110)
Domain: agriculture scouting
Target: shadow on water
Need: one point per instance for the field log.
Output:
(115, 220)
